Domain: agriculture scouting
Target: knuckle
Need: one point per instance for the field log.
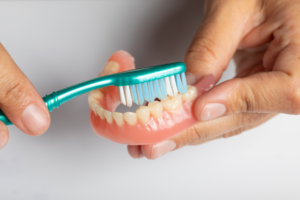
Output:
(193, 134)
(202, 50)
(234, 133)
(249, 118)
(243, 97)
(13, 92)
(199, 133)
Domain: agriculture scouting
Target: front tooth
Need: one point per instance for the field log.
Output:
(97, 94)
(173, 104)
(118, 117)
(143, 114)
(108, 116)
(156, 109)
(130, 118)
(190, 95)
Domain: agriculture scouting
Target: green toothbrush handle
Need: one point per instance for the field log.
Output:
(131, 77)
(55, 99)
(4, 119)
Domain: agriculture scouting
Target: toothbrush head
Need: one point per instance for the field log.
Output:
(147, 84)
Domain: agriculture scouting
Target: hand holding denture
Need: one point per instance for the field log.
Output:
(263, 37)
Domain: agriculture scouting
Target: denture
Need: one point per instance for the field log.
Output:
(151, 123)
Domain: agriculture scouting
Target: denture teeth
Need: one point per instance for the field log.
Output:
(97, 94)
(99, 111)
(172, 104)
(156, 109)
(118, 117)
(130, 118)
(108, 116)
(191, 94)
(143, 114)
(111, 67)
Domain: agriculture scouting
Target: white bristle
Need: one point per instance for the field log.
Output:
(173, 85)
(122, 95)
(168, 87)
(128, 96)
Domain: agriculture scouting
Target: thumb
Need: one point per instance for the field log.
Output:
(224, 25)
(19, 100)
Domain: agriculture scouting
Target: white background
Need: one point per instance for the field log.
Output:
(60, 43)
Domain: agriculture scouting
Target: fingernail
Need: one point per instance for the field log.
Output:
(190, 78)
(162, 148)
(212, 111)
(3, 139)
(35, 119)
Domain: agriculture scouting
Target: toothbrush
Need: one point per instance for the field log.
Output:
(135, 85)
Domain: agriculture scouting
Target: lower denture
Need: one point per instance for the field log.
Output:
(141, 128)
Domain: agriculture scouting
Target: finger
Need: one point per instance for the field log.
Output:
(267, 92)
(19, 100)
(275, 16)
(217, 38)
(198, 142)
(202, 131)
(135, 151)
(238, 130)
(251, 126)
(4, 136)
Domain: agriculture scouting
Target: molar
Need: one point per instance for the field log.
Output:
(110, 68)
(97, 94)
(92, 103)
(173, 104)
(108, 116)
(191, 94)
(143, 114)
(156, 109)
(118, 117)
(130, 118)
(99, 111)
(167, 98)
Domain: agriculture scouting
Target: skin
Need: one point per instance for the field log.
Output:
(263, 37)
(20, 101)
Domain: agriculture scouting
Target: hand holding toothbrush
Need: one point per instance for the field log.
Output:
(263, 37)
(20, 101)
